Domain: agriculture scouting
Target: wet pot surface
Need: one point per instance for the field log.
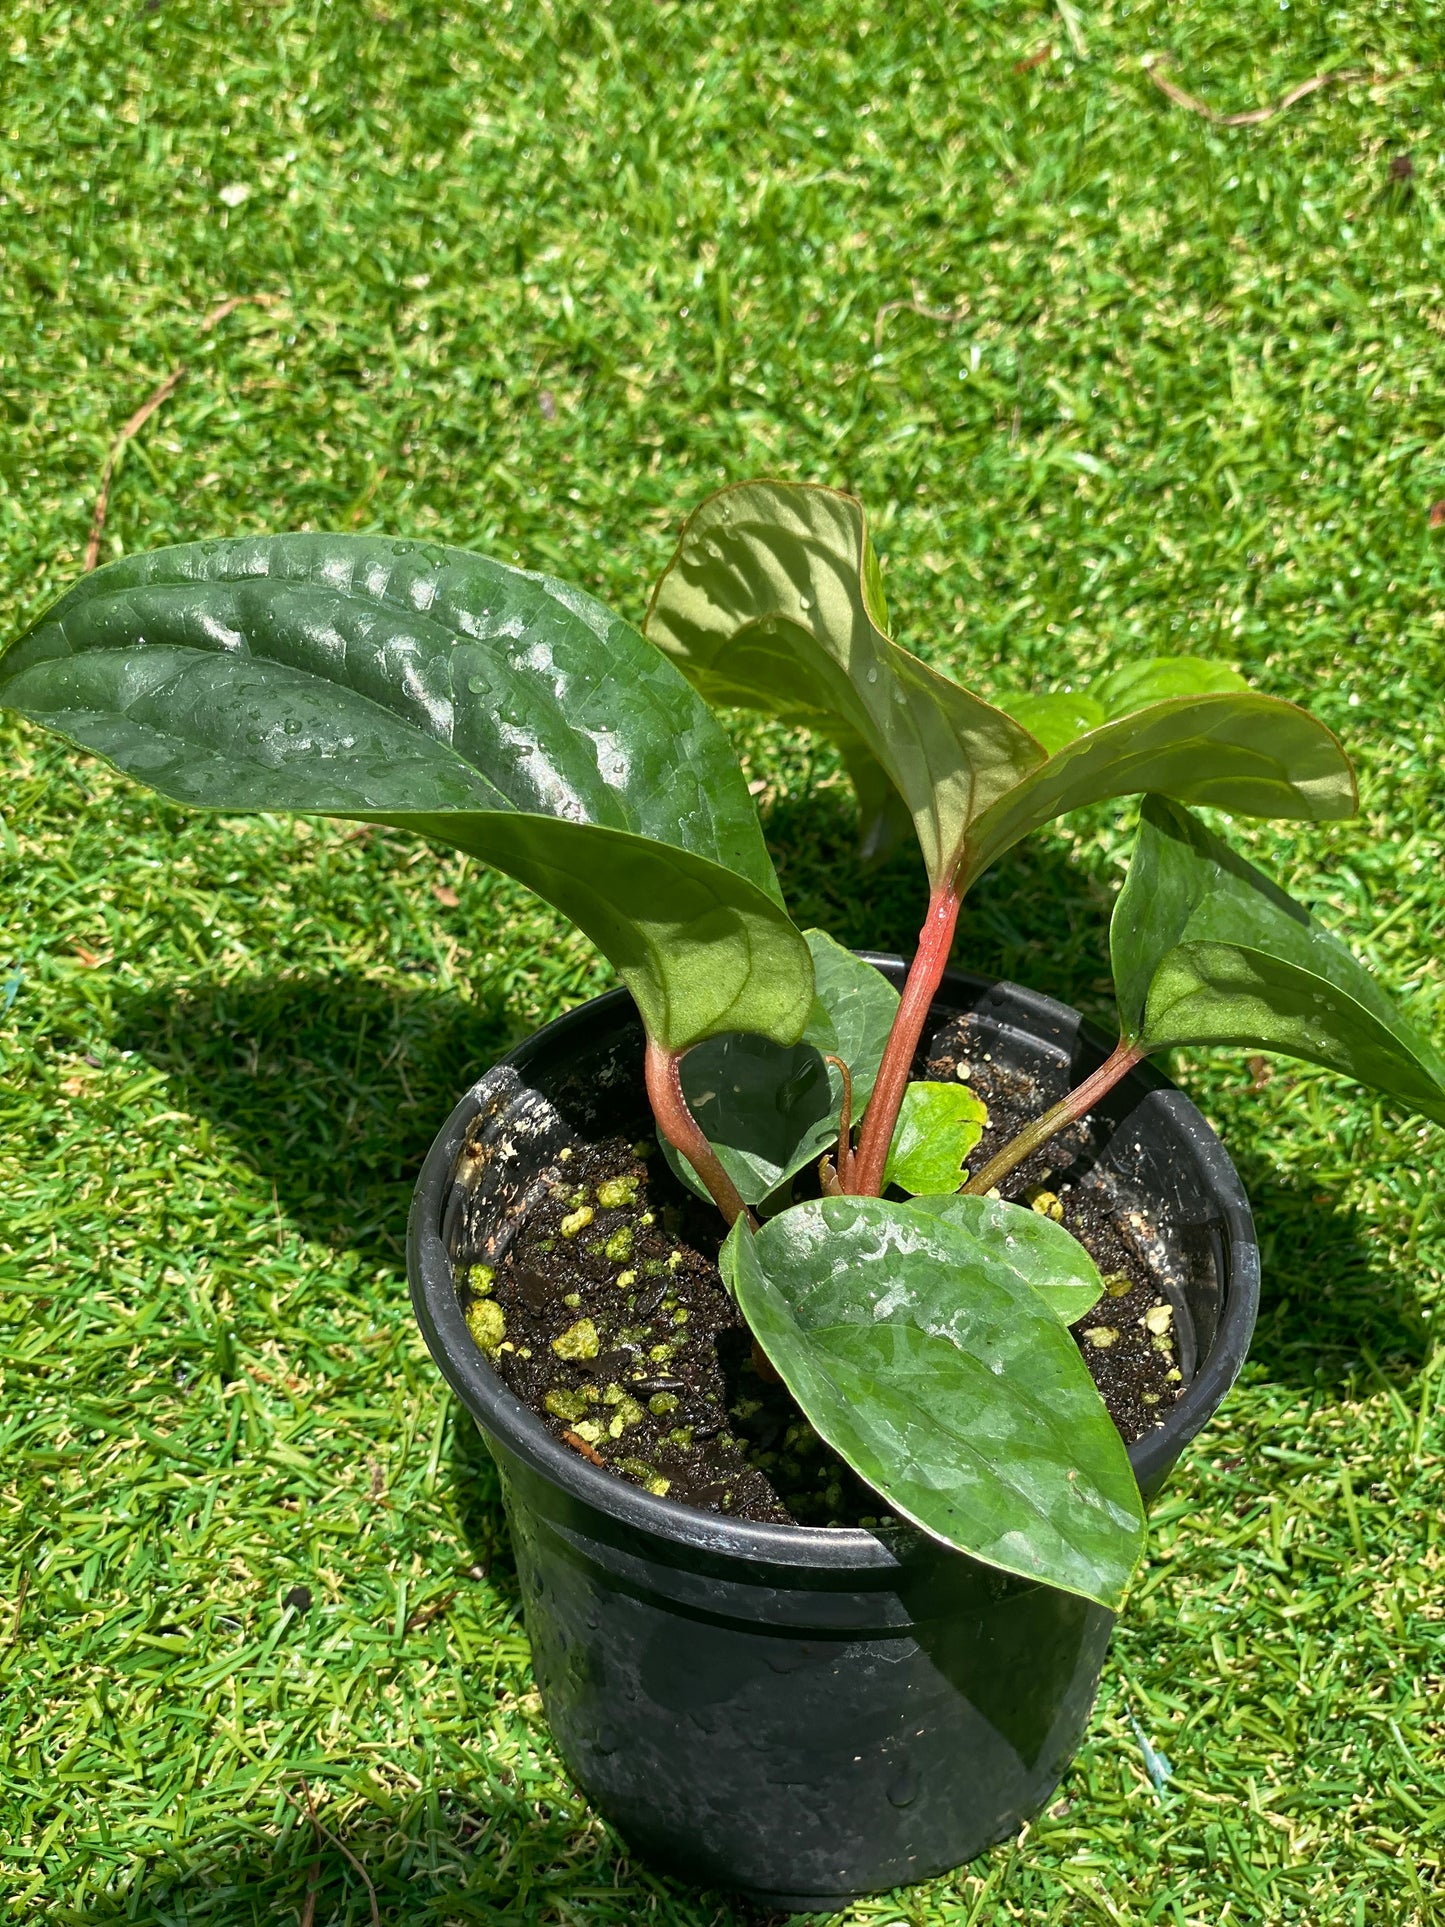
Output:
(803, 1715)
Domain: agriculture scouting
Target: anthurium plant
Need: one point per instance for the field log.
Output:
(918, 1319)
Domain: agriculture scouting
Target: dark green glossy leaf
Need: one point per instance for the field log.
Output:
(1207, 950)
(769, 1110)
(420, 686)
(923, 1357)
(938, 1125)
(774, 601)
(1048, 1258)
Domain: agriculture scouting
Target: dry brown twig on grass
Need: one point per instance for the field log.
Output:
(157, 398)
(1154, 65)
(914, 304)
(341, 1847)
(230, 305)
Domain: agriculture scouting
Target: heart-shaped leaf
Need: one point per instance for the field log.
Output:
(1048, 1258)
(921, 1355)
(938, 1125)
(415, 685)
(770, 1110)
(1058, 718)
(774, 601)
(1206, 950)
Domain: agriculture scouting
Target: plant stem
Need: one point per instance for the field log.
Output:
(845, 1122)
(661, 1069)
(925, 973)
(1068, 1110)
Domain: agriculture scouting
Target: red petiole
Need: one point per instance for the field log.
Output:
(662, 1071)
(935, 940)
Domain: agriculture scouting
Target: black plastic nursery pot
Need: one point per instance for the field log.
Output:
(801, 1714)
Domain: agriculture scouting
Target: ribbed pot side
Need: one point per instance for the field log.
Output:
(804, 1715)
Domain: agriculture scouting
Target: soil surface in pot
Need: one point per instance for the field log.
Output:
(608, 1317)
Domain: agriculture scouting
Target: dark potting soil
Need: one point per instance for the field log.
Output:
(608, 1318)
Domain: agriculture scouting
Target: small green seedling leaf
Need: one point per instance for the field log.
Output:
(920, 1354)
(1058, 718)
(1251, 754)
(1048, 1258)
(938, 1125)
(1134, 685)
(428, 688)
(1206, 950)
(769, 1110)
(774, 601)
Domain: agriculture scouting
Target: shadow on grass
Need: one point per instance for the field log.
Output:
(1330, 1302)
(440, 1859)
(331, 1088)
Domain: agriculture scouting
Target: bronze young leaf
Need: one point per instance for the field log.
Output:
(774, 600)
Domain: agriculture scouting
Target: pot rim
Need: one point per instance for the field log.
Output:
(813, 1548)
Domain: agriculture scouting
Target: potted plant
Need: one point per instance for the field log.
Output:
(934, 1375)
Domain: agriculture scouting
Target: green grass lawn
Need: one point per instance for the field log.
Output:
(539, 277)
